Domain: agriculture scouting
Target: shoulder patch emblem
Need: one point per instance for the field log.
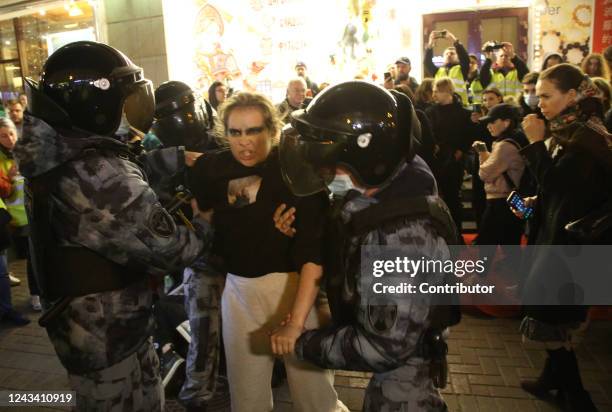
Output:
(161, 223)
(382, 314)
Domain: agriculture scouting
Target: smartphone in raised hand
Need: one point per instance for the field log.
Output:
(439, 34)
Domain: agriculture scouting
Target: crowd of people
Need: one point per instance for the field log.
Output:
(257, 213)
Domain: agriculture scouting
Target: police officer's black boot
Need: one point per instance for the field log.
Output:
(548, 379)
(574, 397)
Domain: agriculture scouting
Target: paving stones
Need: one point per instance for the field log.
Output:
(487, 360)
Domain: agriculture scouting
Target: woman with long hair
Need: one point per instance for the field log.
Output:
(594, 65)
(573, 169)
(424, 94)
(217, 93)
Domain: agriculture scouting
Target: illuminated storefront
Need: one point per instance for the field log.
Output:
(28, 35)
(254, 44)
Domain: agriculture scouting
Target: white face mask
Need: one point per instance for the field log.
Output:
(531, 100)
(342, 184)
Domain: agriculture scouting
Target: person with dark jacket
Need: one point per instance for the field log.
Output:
(573, 172)
(425, 141)
(528, 100)
(453, 131)
(311, 87)
(403, 68)
(456, 63)
(423, 97)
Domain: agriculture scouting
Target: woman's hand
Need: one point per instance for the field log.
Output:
(206, 215)
(482, 155)
(283, 219)
(529, 202)
(191, 157)
(534, 128)
(283, 339)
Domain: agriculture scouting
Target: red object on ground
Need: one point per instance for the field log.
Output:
(601, 313)
(497, 311)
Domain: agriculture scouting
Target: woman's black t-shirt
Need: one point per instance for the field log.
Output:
(244, 200)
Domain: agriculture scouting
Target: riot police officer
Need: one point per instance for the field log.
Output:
(98, 229)
(181, 121)
(356, 139)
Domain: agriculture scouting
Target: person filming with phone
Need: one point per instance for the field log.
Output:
(503, 68)
(456, 62)
(573, 170)
(501, 171)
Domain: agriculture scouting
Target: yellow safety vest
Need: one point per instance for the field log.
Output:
(476, 91)
(456, 76)
(508, 85)
(14, 204)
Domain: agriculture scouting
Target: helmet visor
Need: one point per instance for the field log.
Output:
(139, 106)
(308, 165)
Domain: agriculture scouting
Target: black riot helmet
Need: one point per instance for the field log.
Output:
(90, 86)
(355, 124)
(180, 119)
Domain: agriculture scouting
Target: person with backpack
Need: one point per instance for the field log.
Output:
(501, 171)
(369, 167)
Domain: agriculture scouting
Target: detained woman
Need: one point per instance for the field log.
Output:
(573, 170)
(272, 279)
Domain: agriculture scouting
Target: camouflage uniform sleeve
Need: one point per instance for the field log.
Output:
(161, 165)
(115, 213)
(347, 348)
(389, 328)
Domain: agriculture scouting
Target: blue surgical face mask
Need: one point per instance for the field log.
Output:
(342, 184)
(531, 100)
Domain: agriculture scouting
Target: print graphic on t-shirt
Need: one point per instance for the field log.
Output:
(242, 192)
